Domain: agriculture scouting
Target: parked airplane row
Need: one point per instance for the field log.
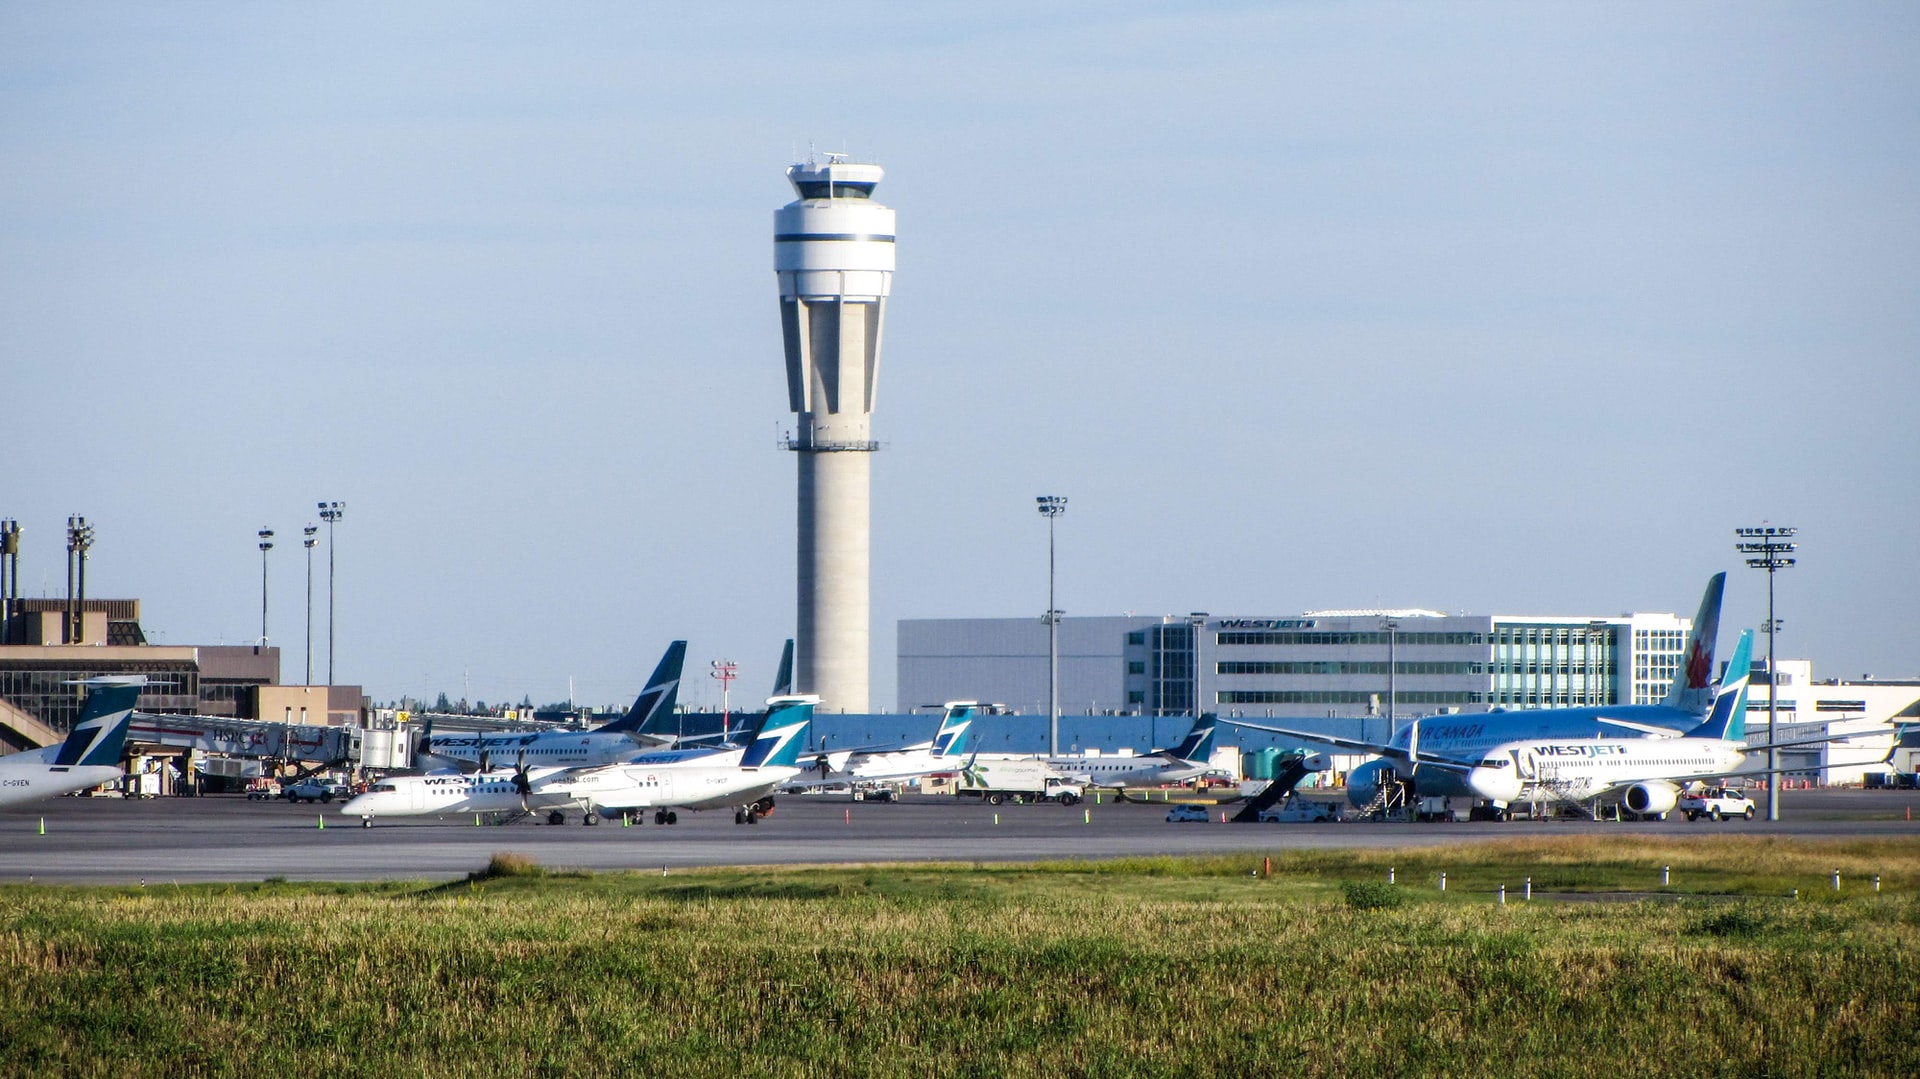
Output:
(1635, 756)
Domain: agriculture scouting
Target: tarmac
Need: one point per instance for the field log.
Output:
(226, 838)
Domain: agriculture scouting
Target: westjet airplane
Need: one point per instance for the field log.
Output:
(91, 754)
(609, 743)
(944, 754)
(1467, 736)
(1176, 765)
(1643, 775)
(692, 779)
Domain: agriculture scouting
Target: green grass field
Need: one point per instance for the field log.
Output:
(1185, 967)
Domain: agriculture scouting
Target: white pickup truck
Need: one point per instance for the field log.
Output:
(1717, 803)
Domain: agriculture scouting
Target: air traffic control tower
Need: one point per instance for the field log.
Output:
(833, 251)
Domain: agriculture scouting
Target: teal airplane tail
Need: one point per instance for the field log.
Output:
(956, 731)
(1727, 719)
(782, 733)
(100, 734)
(653, 708)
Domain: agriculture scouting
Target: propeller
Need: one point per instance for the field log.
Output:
(522, 783)
(486, 760)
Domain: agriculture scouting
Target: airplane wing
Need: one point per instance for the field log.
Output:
(1355, 744)
(1647, 729)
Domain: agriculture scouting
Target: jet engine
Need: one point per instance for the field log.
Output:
(1651, 798)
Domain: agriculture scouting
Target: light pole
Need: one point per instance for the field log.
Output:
(330, 512)
(266, 544)
(1051, 507)
(79, 538)
(1393, 632)
(1771, 546)
(308, 541)
(9, 575)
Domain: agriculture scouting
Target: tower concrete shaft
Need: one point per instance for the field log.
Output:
(833, 252)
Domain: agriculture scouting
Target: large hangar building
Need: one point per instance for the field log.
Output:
(1338, 664)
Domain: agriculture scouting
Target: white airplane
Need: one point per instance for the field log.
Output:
(1176, 765)
(609, 743)
(1644, 775)
(91, 754)
(1468, 737)
(744, 779)
(679, 779)
(945, 753)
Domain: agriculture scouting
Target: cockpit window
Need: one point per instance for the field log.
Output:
(1495, 762)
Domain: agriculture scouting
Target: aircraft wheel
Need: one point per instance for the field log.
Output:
(753, 816)
(739, 816)
(590, 818)
(672, 817)
(556, 817)
(659, 816)
(366, 822)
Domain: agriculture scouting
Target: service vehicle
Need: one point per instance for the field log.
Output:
(1018, 781)
(1188, 814)
(1717, 803)
(1294, 809)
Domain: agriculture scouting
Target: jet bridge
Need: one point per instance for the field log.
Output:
(219, 736)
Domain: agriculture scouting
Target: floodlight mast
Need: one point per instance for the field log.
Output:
(1051, 507)
(1771, 545)
(331, 512)
(266, 544)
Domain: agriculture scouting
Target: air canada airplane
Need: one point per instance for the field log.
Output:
(1176, 765)
(1466, 736)
(1643, 775)
(609, 743)
(91, 754)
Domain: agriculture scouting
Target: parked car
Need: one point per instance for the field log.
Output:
(1718, 803)
(1188, 814)
(263, 793)
(316, 790)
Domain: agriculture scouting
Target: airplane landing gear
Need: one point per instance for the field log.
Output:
(556, 817)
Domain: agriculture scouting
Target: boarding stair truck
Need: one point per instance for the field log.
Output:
(1018, 781)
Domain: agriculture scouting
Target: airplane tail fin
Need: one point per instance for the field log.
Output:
(1198, 744)
(1728, 717)
(1692, 689)
(1905, 736)
(654, 706)
(100, 733)
(782, 734)
(783, 678)
(956, 730)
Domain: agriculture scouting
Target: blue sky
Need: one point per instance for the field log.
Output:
(1486, 307)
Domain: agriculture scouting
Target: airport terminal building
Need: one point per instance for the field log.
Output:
(1337, 664)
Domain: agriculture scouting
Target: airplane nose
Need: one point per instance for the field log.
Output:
(1494, 784)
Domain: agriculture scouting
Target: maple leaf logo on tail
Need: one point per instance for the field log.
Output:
(1699, 666)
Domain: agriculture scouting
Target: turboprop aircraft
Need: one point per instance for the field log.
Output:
(91, 754)
(1176, 765)
(1468, 736)
(945, 753)
(609, 743)
(667, 783)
